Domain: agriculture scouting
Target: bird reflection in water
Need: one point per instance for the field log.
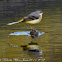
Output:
(32, 48)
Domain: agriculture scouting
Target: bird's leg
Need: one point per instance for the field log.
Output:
(31, 27)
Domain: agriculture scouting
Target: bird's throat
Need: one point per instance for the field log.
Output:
(40, 17)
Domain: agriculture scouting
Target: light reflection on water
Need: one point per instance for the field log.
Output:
(25, 33)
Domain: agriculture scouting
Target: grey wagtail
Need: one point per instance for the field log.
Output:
(32, 18)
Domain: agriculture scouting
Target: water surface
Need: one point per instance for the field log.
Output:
(50, 42)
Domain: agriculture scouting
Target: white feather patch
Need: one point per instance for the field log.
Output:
(12, 23)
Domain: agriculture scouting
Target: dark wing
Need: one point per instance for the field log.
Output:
(29, 18)
(32, 16)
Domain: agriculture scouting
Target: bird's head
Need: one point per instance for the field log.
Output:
(40, 12)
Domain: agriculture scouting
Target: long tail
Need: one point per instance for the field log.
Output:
(15, 22)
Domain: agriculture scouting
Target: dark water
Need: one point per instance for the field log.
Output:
(50, 42)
